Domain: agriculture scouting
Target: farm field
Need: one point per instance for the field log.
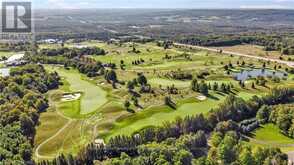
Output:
(100, 112)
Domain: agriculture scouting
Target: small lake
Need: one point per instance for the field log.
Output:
(4, 72)
(247, 74)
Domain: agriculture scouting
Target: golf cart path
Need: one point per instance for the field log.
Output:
(290, 64)
(37, 154)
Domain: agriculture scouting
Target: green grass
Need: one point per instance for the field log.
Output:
(167, 82)
(155, 116)
(92, 97)
(49, 125)
(102, 107)
(6, 54)
(269, 135)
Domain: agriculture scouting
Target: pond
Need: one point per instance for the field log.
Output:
(247, 74)
(4, 72)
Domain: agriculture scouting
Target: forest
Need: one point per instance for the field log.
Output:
(21, 102)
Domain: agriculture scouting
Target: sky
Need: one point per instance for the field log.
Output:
(211, 4)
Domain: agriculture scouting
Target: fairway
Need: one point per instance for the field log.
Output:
(269, 135)
(92, 98)
(167, 82)
(155, 116)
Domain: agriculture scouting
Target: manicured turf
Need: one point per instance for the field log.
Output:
(155, 116)
(100, 113)
(6, 54)
(92, 98)
(271, 133)
(167, 82)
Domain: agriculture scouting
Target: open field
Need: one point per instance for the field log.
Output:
(6, 54)
(252, 50)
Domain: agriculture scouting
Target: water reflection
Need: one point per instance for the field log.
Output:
(247, 74)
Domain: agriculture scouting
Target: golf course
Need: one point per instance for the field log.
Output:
(85, 109)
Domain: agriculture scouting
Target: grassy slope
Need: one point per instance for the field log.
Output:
(92, 98)
(155, 116)
(269, 135)
(78, 132)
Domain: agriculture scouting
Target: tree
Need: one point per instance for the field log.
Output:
(130, 85)
(27, 125)
(183, 157)
(142, 80)
(216, 139)
(246, 157)
(111, 76)
(127, 104)
(253, 85)
(203, 88)
(263, 114)
(215, 86)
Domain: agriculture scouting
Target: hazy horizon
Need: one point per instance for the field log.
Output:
(164, 4)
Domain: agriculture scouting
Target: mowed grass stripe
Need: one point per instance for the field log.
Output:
(93, 96)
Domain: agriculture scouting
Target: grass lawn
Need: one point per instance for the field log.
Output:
(167, 82)
(78, 129)
(269, 135)
(92, 98)
(6, 54)
(155, 116)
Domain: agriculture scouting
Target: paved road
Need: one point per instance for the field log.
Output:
(290, 64)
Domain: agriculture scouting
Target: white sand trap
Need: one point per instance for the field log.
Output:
(201, 98)
(99, 142)
(70, 97)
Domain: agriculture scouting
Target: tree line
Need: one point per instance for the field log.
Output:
(270, 42)
(233, 109)
(21, 101)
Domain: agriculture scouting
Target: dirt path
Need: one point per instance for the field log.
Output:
(290, 64)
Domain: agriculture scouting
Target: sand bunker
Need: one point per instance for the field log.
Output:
(201, 98)
(99, 142)
(70, 97)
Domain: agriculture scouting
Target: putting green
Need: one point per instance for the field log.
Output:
(93, 96)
